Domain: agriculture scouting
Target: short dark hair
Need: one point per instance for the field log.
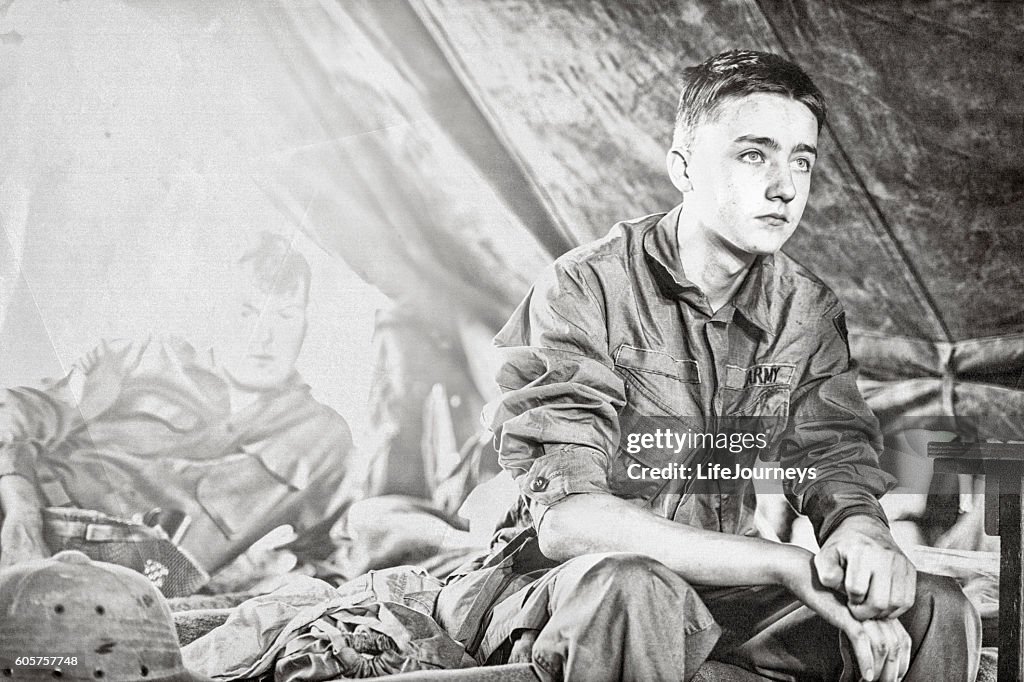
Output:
(276, 267)
(737, 73)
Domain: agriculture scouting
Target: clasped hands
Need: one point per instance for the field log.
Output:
(861, 562)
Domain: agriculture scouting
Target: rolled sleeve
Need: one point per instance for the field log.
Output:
(557, 420)
(832, 430)
(829, 504)
(562, 470)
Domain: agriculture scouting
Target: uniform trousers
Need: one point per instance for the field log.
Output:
(621, 616)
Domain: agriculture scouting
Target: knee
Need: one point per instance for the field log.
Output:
(942, 610)
(944, 620)
(635, 586)
(622, 566)
(638, 577)
(941, 594)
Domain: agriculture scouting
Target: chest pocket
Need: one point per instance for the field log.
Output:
(760, 395)
(657, 384)
(659, 394)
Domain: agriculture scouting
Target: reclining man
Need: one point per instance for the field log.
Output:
(686, 319)
(231, 438)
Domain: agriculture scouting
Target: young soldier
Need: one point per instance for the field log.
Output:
(687, 319)
(230, 437)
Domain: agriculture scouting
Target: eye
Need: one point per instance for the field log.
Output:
(802, 164)
(752, 156)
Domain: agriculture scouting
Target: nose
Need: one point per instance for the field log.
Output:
(263, 335)
(781, 185)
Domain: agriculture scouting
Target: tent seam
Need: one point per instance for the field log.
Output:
(914, 279)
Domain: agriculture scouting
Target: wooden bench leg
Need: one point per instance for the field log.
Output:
(1011, 587)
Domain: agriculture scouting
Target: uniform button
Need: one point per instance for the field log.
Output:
(539, 484)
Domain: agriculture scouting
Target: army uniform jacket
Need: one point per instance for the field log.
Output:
(136, 426)
(614, 342)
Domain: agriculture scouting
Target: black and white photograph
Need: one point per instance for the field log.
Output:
(511, 340)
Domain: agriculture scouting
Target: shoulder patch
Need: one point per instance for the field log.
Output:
(839, 320)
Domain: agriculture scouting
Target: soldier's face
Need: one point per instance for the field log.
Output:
(264, 335)
(749, 172)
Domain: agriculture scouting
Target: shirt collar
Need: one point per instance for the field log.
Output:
(661, 250)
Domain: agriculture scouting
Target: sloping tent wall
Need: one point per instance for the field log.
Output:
(131, 133)
(411, 186)
(449, 149)
(485, 131)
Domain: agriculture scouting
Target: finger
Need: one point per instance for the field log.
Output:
(906, 648)
(880, 593)
(898, 595)
(828, 565)
(891, 665)
(898, 661)
(904, 577)
(884, 648)
(901, 640)
(862, 651)
(904, 589)
(881, 644)
(857, 581)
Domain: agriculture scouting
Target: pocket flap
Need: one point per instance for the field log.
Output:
(657, 362)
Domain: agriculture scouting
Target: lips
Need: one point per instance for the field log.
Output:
(775, 219)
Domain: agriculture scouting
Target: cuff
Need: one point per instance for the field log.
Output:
(561, 471)
(831, 503)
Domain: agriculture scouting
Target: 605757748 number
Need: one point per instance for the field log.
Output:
(44, 661)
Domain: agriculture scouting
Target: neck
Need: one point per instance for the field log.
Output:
(240, 398)
(715, 266)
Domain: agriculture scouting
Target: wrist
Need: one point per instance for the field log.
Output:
(862, 524)
(861, 520)
(792, 566)
(868, 515)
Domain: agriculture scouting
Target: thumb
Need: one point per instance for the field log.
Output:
(828, 564)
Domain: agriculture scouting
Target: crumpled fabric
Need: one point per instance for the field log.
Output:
(368, 641)
(235, 649)
(382, 617)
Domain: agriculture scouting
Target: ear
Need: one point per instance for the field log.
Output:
(677, 162)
